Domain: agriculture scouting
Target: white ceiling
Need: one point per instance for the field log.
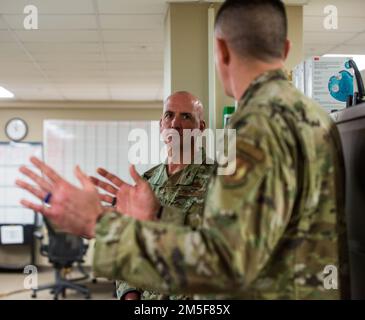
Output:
(113, 49)
(348, 38)
(83, 50)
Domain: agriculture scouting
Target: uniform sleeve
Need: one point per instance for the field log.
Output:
(245, 215)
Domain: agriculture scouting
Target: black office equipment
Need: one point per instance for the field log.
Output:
(351, 125)
(63, 251)
(359, 96)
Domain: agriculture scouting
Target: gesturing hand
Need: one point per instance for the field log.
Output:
(72, 209)
(111, 188)
(138, 201)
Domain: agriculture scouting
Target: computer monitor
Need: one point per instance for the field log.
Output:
(351, 125)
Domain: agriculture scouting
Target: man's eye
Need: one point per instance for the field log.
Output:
(167, 115)
(186, 117)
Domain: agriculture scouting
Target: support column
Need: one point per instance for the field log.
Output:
(186, 50)
(295, 35)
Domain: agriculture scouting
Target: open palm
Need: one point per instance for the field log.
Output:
(138, 201)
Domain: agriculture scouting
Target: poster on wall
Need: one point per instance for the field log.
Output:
(327, 80)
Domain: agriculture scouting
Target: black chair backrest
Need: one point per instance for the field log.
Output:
(63, 248)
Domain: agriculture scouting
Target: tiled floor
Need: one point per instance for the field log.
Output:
(12, 287)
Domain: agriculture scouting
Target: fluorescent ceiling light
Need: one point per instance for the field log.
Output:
(5, 93)
(358, 58)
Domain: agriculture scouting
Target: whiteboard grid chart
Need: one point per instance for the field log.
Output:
(93, 144)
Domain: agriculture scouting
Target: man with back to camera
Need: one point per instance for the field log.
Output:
(175, 183)
(269, 229)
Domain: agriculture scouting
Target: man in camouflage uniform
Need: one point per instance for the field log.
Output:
(180, 185)
(269, 229)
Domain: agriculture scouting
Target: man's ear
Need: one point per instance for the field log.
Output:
(287, 48)
(223, 54)
(160, 125)
(202, 125)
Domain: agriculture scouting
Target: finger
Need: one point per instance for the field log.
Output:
(36, 207)
(111, 177)
(106, 198)
(95, 180)
(135, 175)
(46, 170)
(84, 179)
(104, 185)
(40, 194)
(37, 179)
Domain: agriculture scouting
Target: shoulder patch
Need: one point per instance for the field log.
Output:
(247, 157)
(249, 150)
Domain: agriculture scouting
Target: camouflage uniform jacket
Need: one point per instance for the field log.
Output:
(186, 190)
(269, 230)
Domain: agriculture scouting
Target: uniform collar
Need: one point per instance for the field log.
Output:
(160, 176)
(185, 177)
(278, 74)
(189, 172)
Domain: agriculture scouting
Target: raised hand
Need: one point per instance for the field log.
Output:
(138, 201)
(111, 188)
(72, 209)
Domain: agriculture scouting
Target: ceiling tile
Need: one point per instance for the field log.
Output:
(87, 93)
(55, 22)
(350, 49)
(57, 36)
(133, 36)
(345, 24)
(134, 73)
(129, 7)
(36, 92)
(127, 65)
(327, 37)
(357, 40)
(3, 26)
(68, 57)
(48, 6)
(139, 47)
(136, 22)
(16, 56)
(62, 73)
(5, 36)
(74, 68)
(23, 66)
(348, 8)
(60, 48)
(144, 57)
(147, 92)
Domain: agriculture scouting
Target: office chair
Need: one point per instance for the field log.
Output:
(63, 251)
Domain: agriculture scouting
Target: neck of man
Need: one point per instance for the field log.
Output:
(243, 73)
(173, 167)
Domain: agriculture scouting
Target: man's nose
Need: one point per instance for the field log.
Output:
(176, 123)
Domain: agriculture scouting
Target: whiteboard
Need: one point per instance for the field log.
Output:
(12, 156)
(93, 144)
